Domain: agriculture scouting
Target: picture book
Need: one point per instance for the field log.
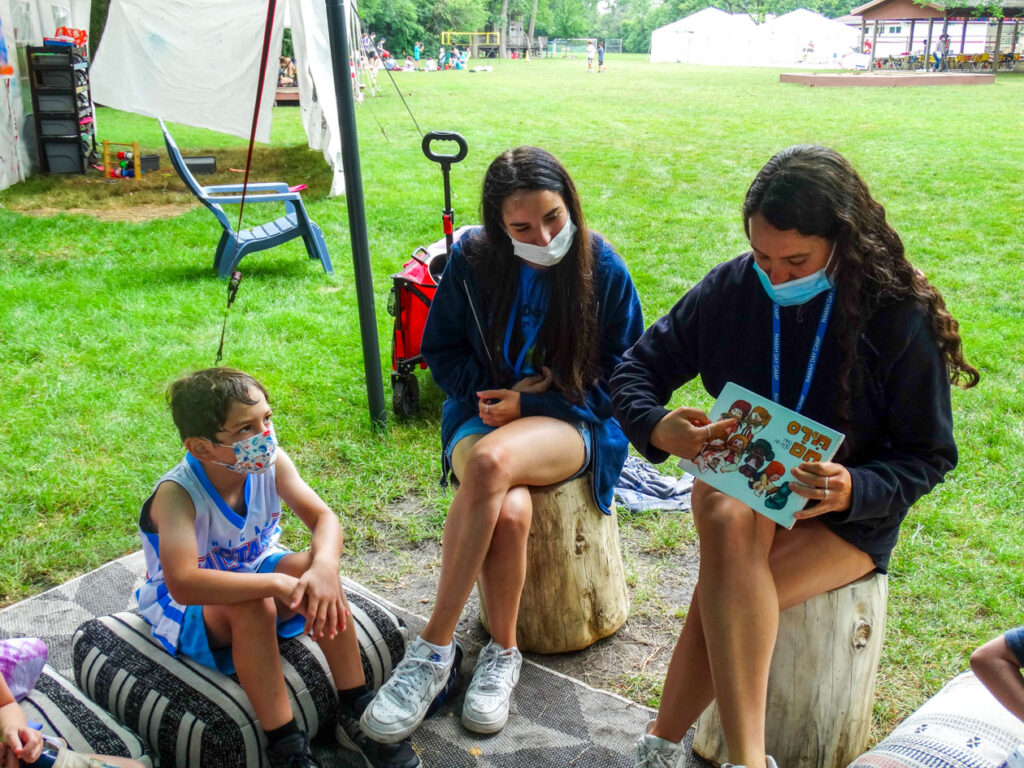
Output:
(753, 463)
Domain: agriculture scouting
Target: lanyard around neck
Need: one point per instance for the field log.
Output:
(819, 337)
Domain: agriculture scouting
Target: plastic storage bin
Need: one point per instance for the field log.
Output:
(63, 156)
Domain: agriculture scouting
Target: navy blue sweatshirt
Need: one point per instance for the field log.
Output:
(899, 439)
(454, 349)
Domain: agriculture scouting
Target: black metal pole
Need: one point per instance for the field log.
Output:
(338, 31)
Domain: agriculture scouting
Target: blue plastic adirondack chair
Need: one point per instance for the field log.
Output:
(234, 245)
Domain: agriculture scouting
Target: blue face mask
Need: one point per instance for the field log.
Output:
(799, 291)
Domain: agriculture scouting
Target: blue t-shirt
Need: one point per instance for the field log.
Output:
(525, 320)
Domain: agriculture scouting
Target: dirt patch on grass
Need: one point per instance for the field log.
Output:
(133, 213)
(632, 662)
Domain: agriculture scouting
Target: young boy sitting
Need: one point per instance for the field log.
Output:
(998, 665)
(220, 589)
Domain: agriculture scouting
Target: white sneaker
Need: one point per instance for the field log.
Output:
(401, 703)
(1016, 758)
(485, 709)
(656, 752)
(768, 759)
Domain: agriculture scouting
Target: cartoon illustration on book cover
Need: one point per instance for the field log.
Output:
(753, 463)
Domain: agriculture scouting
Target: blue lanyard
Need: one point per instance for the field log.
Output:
(819, 337)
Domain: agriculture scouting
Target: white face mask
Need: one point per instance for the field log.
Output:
(546, 255)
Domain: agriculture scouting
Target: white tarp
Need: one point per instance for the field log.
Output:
(709, 36)
(197, 63)
(27, 22)
(188, 62)
(803, 37)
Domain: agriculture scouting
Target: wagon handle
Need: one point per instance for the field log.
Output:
(446, 162)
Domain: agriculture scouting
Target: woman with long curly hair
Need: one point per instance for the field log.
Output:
(885, 363)
(532, 314)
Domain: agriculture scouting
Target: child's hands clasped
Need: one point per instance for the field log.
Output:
(24, 743)
(318, 597)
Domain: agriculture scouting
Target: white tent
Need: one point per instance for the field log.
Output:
(802, 37)
(712, 36)
(155, 59)
(709, 36)
(188, 61)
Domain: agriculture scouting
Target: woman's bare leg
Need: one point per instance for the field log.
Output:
(750, 570)
(504, 569)
(529, 451)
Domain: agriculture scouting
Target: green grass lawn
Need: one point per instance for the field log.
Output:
(98, 315)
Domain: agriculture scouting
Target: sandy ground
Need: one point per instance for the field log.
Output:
(629, 663)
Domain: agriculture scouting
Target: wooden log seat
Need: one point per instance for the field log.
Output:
(575, 590)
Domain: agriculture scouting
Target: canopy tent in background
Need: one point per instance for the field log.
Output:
(27, 22)
(711, 36)
(803, 37)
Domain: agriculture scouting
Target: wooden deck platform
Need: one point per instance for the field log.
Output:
(886, 79)
(287, 97)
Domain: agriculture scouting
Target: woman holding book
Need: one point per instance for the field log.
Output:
(826, 316)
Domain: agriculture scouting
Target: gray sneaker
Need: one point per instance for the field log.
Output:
(656, 752)
(485, 709)
(401, 703)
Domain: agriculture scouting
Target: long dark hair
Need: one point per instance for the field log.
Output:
(815, 191)
(568, 339)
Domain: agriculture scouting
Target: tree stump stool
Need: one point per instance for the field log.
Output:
(575, 591)
(821, 686)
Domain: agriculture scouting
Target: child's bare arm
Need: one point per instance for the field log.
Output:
(18, 740)
(174, 516)
(996, 666)
(320, 586)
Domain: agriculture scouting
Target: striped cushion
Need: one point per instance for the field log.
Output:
(65, 712)
(961, 726)
(191, 715)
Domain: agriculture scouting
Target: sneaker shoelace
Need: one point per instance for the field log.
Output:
(409, 678)
(655, 759)
(495, 669)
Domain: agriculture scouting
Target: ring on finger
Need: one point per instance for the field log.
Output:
(826, 492)
(708, 428)
(487, 407)
(826, 482)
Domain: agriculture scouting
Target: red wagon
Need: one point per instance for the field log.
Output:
(413, 289)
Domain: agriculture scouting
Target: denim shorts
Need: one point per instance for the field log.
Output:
(194, 642)
(475, 426)
(1015, 642)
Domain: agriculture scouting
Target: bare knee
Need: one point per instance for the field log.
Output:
(732, 532)
(990, 656)
(250, 614)
(516, 514)
(487, 466)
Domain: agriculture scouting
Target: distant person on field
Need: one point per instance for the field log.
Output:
(600, 58)
(221, 589)
(998, 664)
(416, 52)
(591, 51)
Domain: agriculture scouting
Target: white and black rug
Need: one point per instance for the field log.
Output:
(556, 721)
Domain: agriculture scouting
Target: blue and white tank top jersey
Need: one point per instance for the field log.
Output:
(225, 540)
